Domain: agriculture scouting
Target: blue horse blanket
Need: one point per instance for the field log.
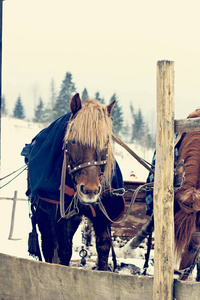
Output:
(45, 157)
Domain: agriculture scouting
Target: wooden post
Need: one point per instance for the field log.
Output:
(13, 215)
(163, 184)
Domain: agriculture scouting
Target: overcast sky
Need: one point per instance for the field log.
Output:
(108, 46)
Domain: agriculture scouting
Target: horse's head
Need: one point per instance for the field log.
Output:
(89, 151)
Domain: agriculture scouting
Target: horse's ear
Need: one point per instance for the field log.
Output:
(195, 114)
(110, 107)
(75, 104)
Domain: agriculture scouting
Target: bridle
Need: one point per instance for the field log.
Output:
(74, 168)
(72, 171)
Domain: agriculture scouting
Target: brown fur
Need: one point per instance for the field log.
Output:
(187, 199)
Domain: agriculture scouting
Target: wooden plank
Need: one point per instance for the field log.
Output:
(134, 222)
(187, 125)
(130, 187)
(163, 184)
(28, 279)
(18, 199)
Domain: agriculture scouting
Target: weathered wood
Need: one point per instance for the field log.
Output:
(163, 184)
(187, 125)
(13, 216)
(27, 279)
(133, 223)
(18, 199)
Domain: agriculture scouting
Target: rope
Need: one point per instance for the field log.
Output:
(12, 173)
(13, 177)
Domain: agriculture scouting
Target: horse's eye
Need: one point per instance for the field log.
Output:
(106, 144)
(73, 142)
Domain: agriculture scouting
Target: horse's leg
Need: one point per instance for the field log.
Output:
(198, 264)
(189, 255)
(103, 243)
(66, 231)
(48, 235)
(198, 272)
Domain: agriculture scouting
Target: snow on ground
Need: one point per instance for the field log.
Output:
(15, 133)
(131, 169)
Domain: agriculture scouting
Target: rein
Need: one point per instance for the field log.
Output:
(72, 170)
(139, 159)
(101, 206)
(78, 167)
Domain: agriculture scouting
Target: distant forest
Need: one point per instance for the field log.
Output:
(136, 131)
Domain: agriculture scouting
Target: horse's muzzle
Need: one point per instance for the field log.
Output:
(88, 195)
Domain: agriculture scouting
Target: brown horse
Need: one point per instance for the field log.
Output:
(88, 169)
(187, 204)
(88, 139)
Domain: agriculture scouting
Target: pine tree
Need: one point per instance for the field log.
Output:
(18, 111)
(117, 115)
(52, 93)
(138, 126)
(126, 132)
(3, 106)
(149, 139)
(67, 90)
(39, 112)
(97, 97)
(48, 110)
(140, 130)
(84, 95)
(132, 126)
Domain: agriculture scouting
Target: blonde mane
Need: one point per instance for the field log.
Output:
(93, 127)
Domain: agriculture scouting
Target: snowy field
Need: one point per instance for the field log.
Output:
(15, 133)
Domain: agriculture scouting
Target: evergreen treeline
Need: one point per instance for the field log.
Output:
(137, 130)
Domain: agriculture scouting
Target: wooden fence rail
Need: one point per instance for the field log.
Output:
(14, 199)
(18, 199)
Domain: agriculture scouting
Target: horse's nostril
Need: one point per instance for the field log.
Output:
(99, 189)
(82, 188)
